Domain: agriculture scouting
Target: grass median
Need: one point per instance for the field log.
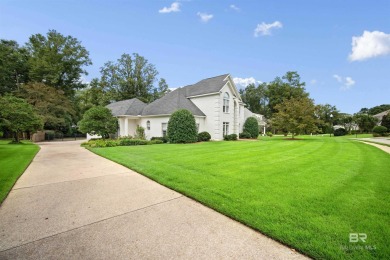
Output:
(310, 193)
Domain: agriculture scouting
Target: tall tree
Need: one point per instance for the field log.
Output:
(13, 66)
(296, 115)
(255, 98)
(58, 61)
(365, 122)
(378, 109)
(161, 90)
(129, 77)
(386, 121)
(95, 94)
(328, 115)
(51, 104)
(287, 87)
(18, 116)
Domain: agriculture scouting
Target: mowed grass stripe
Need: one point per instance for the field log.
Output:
(309, 194)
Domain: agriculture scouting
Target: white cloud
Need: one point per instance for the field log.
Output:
(175, 7)
(313, 82)
(235, 8)
(243, 82)
(205, 17)
(265, 28)
(347, 82)
(370, 45)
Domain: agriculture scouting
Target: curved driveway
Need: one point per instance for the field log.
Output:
(73, 204)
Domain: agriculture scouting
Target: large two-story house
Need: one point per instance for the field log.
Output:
(215, 103)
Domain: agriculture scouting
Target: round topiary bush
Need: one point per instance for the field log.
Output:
(340, 132)
(379, 130)
(204, 137)
(251, 126)
(182, 127)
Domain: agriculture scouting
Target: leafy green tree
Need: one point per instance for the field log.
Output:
(51, 104)
(378, 109)
(130, 77)
(347, 121)
(18, 116)
(365, 122)
(287, 87)
(328, 115)
(255, 98)
(13, 66)
(296, 115)
(57, 61)
(93, 95)
(161, 90)
(98, 120)
(182, 127)
(251, 126)
(386, 121)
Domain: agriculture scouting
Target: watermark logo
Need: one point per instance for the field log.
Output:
(356, 237)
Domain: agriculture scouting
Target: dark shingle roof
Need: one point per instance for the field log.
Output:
(170, 103)
(206, 86)
(131, 107)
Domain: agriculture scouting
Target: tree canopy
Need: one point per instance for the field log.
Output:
(18, 116)
(296, 115)
(51, 104)
(13, 66)
(132, 76)
(98, 120)
(58, 61)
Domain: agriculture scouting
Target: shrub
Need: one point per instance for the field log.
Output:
(125, 141)
(182, 127)
(98, 120)
(379, 130)
(204, 136)
(252, 127)
(245, 135)
(140, 133)
(156, 141)
(340, 132)
(163, 139)
(231, 137)
(269, 134)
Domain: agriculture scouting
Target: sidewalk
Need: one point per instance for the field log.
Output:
(73, 204)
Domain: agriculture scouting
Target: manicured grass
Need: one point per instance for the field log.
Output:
(14, 159)
(309, 194)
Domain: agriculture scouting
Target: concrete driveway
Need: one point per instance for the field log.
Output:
(73, 204)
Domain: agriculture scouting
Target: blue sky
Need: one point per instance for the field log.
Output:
(253, 40)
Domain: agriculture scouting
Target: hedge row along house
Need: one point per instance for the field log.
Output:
(215, 103)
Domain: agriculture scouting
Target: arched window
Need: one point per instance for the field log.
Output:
(148, 125)
(226, 102)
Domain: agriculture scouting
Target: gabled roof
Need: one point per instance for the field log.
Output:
(131, 107)
(170, 103)
(206, 86)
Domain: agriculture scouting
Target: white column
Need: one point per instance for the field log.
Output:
(126, 126)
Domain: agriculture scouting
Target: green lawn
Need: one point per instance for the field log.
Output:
(309, 194)
(14, 159)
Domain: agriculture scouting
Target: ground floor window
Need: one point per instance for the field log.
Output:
(164, 129)
(225, 128)
(148, 125)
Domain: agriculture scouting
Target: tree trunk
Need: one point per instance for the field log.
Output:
(16, 137)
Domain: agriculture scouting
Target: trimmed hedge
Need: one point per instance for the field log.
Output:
(245, 135)
(204, 137)
(182, 127)
(161, 138)
(379, 131)
(251, 126)
(119, 142)
(231, 137)
(340, 132)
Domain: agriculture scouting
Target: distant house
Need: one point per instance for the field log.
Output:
(215, 103)
(381, 115)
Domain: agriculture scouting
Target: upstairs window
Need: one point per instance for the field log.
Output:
(148, 125)
(226, 102)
